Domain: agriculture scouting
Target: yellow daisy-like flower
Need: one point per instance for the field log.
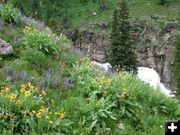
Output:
(22, 90)
(61, 115)
(47, 117)
(27, 93)
(13, 96)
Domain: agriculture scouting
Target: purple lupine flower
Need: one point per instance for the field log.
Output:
(40, 26)
(26, 19)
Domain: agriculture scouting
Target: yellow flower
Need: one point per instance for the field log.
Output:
(13, 96)
(18, 102)
(29, 84)
(38, 115)
(22, 90)
(50, 112)
(43, 93)
(42, 110)
(61, 115)
(50, 121)
(27, 93)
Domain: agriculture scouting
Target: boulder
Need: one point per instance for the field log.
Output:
(5, 48)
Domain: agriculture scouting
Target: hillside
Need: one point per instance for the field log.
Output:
(83, 14)
(49, 87)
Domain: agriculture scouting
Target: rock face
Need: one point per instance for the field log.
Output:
(154, 46)
(5, 48)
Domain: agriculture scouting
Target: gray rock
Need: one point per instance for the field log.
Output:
(5, 48)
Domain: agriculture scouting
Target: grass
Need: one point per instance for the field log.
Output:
(81, 16)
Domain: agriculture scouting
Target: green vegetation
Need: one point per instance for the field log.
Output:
(79, 14)
(121, 54)
(47, 87)
(177, 67)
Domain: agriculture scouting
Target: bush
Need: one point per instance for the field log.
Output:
(8, 13)
(23, 109)
(43, 41)
(36, 58)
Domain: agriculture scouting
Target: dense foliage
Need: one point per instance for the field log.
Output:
(121, 53)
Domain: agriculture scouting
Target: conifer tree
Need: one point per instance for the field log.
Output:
(121, 54)
(177, 67)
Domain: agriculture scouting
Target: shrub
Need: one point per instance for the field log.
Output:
(36, 58)
(8, 13)
(43, 41)
(23, 109)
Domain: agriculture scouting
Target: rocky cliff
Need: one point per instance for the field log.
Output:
(154, 42)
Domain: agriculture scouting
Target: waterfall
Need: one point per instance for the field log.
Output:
(150, 76)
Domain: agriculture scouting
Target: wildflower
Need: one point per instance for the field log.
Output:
(31, 86)
(47, 117)
(61, 115)
(13, 96)
(42, 109)
(50, 112)
(18, 102)
(43, 93)
(38, 115)
(50, 121)
(108, 82)
(22, 90)
(27, 93)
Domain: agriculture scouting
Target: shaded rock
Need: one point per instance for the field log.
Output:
(5, 48)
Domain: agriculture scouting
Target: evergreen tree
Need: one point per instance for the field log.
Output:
(162, 2)
(121, 54)
(177, 67)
